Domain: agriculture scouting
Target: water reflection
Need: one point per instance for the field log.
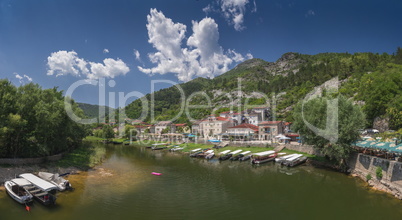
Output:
(191, 188)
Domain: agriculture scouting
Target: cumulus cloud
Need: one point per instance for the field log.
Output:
(23, 79)
(232, 10)
(68, 63)
(201, 56)
(105, 50)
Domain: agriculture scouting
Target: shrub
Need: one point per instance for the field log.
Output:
(368, 177)
(378, 172)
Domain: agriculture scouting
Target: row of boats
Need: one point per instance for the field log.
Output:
(41, 187)
(240, 155)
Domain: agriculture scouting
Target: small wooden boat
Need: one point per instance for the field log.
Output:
(263, 157)
(159, 148)
(15, 188)
(54, 178)
(238, 157)
(42, 190)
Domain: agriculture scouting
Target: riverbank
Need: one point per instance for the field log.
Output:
(76, 161)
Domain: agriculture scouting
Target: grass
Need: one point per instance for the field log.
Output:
(84, 157)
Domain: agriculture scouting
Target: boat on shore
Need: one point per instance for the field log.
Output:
(54, 178)
(241, 155)
(295, 160)
(15, 189)
(42, 190)
(263, 157)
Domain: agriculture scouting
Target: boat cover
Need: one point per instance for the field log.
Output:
(264, 153)
(196, 150)
(209, 151)
(246, 152)
(43, 184)
(21, 182)
(294, 157)
(236, 152)
(225, 152)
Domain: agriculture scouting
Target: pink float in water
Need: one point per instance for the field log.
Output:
(156, 174)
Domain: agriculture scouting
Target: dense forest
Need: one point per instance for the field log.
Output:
(34, 122)
(92, 111)
(370, 79)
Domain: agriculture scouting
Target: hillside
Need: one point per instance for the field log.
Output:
(92, 111)
(289, 79)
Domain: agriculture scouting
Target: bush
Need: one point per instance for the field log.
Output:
(378, 172)
(368, 177)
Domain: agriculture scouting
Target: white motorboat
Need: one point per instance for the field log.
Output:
(41, 190)
(54, 178)
(15, 188)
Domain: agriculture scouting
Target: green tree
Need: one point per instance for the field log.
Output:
(108, 132)
(350, 119)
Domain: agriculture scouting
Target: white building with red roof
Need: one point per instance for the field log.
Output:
(213, 126)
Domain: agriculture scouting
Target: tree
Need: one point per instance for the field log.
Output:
(108, 132)
(336, 144)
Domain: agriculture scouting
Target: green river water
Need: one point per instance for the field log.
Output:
(122, 187)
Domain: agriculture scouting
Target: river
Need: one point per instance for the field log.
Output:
(122, 187)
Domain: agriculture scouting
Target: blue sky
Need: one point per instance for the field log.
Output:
(57, 43)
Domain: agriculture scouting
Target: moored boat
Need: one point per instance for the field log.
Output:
(42, 190)
(156, 145)
(240, 156)
(54, 178)
(15, 188)
(176, 148)
(195, 152)
(283, 158)
(235, 154)
(210, 155)
(296, 160)
(263, 157)
(205, 153)
(225, 155)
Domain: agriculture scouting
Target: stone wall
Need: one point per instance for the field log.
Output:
(391, 181)
(303, 148)
(38, 160)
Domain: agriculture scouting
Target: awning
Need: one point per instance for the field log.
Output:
(43, 184)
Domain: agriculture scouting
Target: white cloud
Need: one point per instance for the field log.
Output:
(232, 10)
(310, 13)
(68, 63)
(137, 55)
(23, 79)
(105, 50)
(203, 56)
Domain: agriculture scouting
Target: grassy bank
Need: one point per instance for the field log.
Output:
(84, 157)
